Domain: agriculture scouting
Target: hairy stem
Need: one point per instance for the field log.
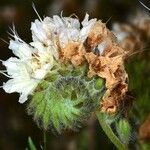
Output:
(108, 131)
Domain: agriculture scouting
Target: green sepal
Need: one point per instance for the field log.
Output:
(31, 145)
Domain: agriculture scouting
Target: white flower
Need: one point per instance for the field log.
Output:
(21, 81)
(26, 71)
(33, 61)
(62, 29)
(67, 29)
(20, 49)
(41, 31)
(87, 24)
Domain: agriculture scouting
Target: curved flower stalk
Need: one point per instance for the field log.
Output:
(69, 70)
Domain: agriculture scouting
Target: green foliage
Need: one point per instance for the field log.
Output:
(65, 98)
(139, 82)
(31, 145)
(123, 130)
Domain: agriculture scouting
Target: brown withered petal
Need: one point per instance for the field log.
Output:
(73, 52)
(97, 34)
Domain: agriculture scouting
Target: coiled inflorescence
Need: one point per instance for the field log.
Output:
(65, 99)
(63, 70)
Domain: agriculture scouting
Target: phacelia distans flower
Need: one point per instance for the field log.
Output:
(69, 70)
(32, 62)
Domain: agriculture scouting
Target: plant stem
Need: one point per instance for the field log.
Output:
(108, 131)
(44, 140)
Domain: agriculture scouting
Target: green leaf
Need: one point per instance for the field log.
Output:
(31, 144)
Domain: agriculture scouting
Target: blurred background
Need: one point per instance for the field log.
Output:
(16, 126)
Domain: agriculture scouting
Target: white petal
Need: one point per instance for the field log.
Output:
(20, 49)
(38, 31)
(73, 34)
(16, 68)
(28, 91)
(40, 73)
(41, 31)
(38, 45)
(58, 21)
(45, 55)
(71, 22)
(23, 86)
(53, 50)
(87, 24)
(85, 20)
(68, 35)
(19, 85)
(48, 24)
(23, 98)
(63, 39)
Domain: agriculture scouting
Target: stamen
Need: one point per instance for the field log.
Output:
(5, 74)
(14, 34)
(10, 35)
(3, 70)
(137, 51)
(74, 15)
(35, 56)
(61, 14)
(33, 6)
(108, 20)
(4, 41)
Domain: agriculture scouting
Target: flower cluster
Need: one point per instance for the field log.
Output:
(34, 60)
(66, 69)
